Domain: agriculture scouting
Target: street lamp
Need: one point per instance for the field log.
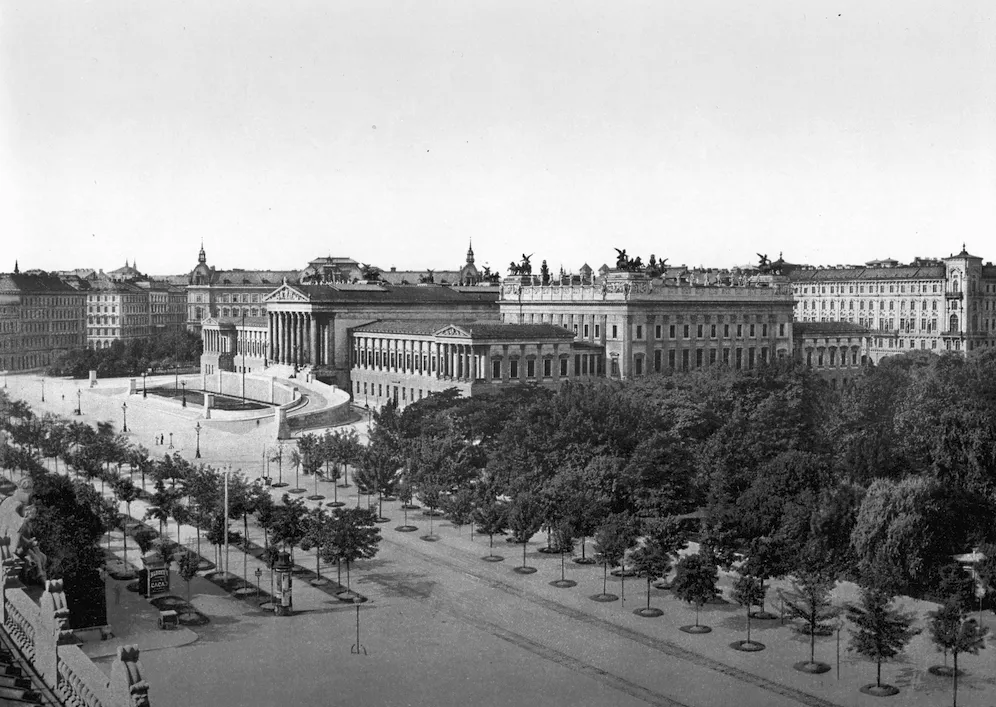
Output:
(170, 440)
(124, 415)
(259, 576)
(42, 381)
(197, 428)
(79, 401)
(184, 384)
(145, 391)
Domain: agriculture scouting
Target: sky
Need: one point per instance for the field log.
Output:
(396, 132)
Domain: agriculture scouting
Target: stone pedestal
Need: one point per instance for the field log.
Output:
(208, 402)
(131, 387)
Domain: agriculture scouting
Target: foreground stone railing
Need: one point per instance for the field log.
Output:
(42, 634)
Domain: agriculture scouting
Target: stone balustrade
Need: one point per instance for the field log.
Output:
(42, 635)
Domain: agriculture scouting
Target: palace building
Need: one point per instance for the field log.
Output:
(647, 325)
(405, 360)
(935, 305)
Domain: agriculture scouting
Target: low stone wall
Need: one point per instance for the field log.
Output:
(42, 635)
(261, 388)
(337, 411)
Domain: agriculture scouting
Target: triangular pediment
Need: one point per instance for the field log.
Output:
(286, 293)
(209, 321)
(453, 331)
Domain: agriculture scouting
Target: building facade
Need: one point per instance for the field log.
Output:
(307, 325)
(647, 326)
(404, 360)
(935, 305)
(41, 317)
(115, 311)
(837, 351)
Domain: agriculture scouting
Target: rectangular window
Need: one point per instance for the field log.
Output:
(712, 356)
(684, 360)
(513, 368)
(530, 368)
(639, 331)
(685, 331)
(598, 333)
(698, 358)
(496, 369)
(764, 354)
(781, 330)
(712, 331)
(615, 331)
(698, 331)
(586, 331)
(575, 330)
(764, 330)
(657, 331)
(639, 365)
(740, 330)
(577, 364)
(670, 332)
(726, 331)
(740, 359)
(752, 330)
(657, 360)
(563, 367)
(547, 368)
(670, 359)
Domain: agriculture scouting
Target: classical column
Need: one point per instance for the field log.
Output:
(278, 337)
(285, 332)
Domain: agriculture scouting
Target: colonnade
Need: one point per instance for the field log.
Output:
(300, 338)
(429, 358)
(832, 356)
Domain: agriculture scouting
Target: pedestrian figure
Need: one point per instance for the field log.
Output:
(117, 594)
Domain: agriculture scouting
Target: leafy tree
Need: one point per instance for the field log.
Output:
(296, 459)
(126, 492)
(748, 591)
(954, 632)
(459, 507)
(431, 493)
(652, 561)
(491, 518)
(187, 567)
(695, 581)
(144, 539)
(315, 531)
(616, 535)
(353, 535)
(525, 516)
(809, 601)
(882, 630)
(288, 526)
(378, 472)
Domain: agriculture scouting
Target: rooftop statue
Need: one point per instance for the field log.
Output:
(16, 539)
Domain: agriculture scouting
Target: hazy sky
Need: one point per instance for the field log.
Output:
(393, 132)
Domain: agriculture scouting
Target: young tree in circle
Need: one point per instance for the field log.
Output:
(881, 634)
(748, 591)
(126, 492)
(316, 524)
(653, 562)
(459, 507)
(525, 517)
(809, 601)
(491, 519)
(616, 535)
(695, 582)
(431, 493)
(187, 568)
(952, 631)
(352, 535)
(378, 471)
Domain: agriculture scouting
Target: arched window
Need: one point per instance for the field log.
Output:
(953, 323)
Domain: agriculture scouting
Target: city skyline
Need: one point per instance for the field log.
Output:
(394, 134)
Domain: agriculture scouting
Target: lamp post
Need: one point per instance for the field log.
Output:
(79, 401)
(42, 381)
(197, 429)
(176, 377)
(170, 440)
(124, 416)
(184, 384)
(838, 624)
(145, 391)
(259, 576)
(242, 345)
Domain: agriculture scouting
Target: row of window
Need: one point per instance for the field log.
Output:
(921, 287)
(738, 357)
(833, 304)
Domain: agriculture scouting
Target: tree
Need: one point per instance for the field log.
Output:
(126, 492)
(353, 535)
(491, 519)
(748, 591)
(187, 567)
(288, 523)
(459, 507)
(616, 535)
(695, 582)
(144, 539)
(653, 562)
(525, 517)
(882, 631)
(954, 632)
(378, 471)
(809, 601)
(315, 530)
(295, 459)
(278, 457)
(430, 492)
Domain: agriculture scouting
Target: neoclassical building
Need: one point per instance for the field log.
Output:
(405, 360)
(308, 325)
(650, 325)
(41, 317)
(836, 350)
(937, 305)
